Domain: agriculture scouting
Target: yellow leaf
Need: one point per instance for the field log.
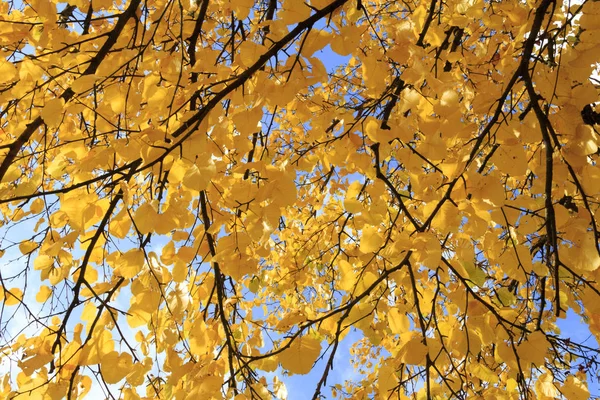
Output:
(250, 53)
(386, 381)
(348, 276)
(373, 131)
(8, 72)
(114, 97)
(52, 113)
(301, 355)
(115, 366)
(43, 262)
(428, 249)
(267, 364)
(511, 160)
(89, 312)
(484, 373)
(534, 349)
(144, 218)
(84, 386)
(284, 192)
(316, 40)
(545, 386)
(137, 374)
(130, 263)
(574, 389)
(84, 83)
(130, 394)
(506, 297)
(398, 322)
(121, 224)
(294, 11)
(44, 294)
(413, 352)
(347, 41)
(449, 103)
(370, 240)
(511, 385)
(367, 279)
(37, 206)
(13, 296)
(79, 207)
(351, 203)
(476, 275)
(242, 8)
(27, 247)
(583, 256)
(198, 178)
(12, 174)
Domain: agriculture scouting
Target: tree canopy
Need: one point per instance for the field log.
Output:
(195, 203)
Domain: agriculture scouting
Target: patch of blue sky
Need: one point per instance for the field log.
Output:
(573, 327)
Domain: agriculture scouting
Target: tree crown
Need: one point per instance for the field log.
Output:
(194, 204)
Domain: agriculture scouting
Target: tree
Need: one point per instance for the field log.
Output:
(193, 204)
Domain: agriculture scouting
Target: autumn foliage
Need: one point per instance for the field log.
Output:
(200, 199)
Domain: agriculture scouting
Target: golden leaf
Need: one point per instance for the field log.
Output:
(115, 366)
(12, 297)
(301, 354)
(52, 112)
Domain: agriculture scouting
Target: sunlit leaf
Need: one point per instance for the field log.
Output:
(300, 356)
